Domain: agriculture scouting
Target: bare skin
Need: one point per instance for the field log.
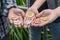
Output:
(14, 15)
(53, 15)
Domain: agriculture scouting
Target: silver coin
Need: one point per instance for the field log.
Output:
(28, 21)
(17, 22)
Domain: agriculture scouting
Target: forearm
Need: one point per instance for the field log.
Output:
(38, 3)
(7, 5)
(57, 10)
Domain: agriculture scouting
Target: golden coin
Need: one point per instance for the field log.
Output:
(30, 14)
(45, 18)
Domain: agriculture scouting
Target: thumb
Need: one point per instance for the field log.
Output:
(40, 14)
(19, 12)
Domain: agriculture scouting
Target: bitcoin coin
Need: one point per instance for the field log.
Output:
(45, 18)
(30, 14)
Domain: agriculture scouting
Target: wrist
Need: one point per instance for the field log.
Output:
(57, 12)
(12, 9)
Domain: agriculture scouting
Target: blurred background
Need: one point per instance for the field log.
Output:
(21, 33)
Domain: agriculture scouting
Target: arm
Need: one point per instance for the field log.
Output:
(50, 14)
(57, 10)
(15, 14)
(38, 3)
(8, 5)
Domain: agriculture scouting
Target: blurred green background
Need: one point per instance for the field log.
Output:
(21, 33)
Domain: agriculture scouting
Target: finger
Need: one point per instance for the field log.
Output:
(22, 24)
(39, 15)
(22, 13)
(10, 15)
(19, 26)
(32, 23)
(16, 26)
(17, 23)
(25, 26)
(44, 12)
(25, 20)
(19, 11)
(11, 21)
(28, 26)
(44, 23)
(21, 20)
(35, 25)
(25, 17)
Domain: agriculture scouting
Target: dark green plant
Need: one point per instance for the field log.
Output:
(21, 2)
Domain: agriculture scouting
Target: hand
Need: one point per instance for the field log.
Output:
(46, 17)
(50, 16)
(29, 17)
(16, 16)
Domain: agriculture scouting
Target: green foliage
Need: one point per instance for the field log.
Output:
(18, 33)
(21, 2)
